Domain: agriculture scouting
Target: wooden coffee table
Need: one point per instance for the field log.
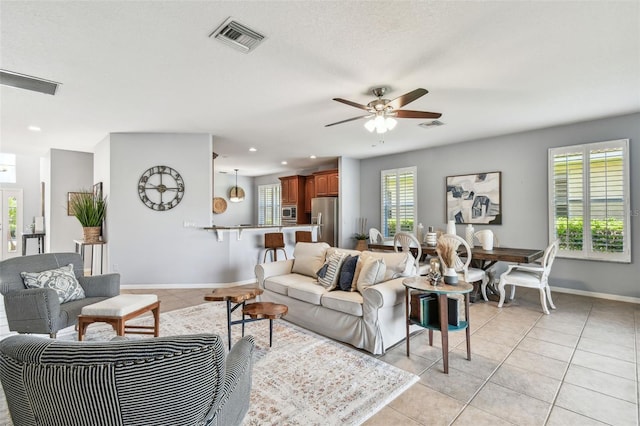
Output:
(265, 310)
(238, 296)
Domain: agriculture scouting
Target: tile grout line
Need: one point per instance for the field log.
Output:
(468, 403)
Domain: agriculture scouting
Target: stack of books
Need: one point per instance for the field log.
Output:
(424, 310)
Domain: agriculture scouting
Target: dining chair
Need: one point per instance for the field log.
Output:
(375, 236)
(406, 241)
(463, 259)
(531, 276)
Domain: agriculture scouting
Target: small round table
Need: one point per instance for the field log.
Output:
(238, 295)
(423, 284)
(265, 310)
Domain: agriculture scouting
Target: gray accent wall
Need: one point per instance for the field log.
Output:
(522, 159)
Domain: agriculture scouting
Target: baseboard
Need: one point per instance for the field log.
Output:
(597, 295)
(183, 286)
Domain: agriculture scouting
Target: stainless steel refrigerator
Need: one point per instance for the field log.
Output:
(324, 213)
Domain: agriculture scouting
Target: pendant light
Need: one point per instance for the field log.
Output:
(236, 194)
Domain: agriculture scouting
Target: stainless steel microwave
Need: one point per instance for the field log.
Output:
(289, 213)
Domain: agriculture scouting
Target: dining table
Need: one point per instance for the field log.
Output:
(480, 258)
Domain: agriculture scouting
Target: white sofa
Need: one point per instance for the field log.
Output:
(371, 318)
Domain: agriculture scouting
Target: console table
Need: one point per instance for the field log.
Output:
(39, 236)
(80, 248)
(423, 285)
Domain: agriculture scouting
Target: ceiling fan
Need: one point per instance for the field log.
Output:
(381, 112)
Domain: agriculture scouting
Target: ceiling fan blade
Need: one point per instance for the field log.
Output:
(401, 101)
(350, 119)
(403, 113)
(353, 104)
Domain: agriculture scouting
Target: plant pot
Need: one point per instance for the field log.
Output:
(362, 245)
(450, 276)
(91, 234)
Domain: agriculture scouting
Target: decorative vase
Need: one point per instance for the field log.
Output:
(468, 234)
(450, 276)
(91, 234)
(362, 245)
(451, 227)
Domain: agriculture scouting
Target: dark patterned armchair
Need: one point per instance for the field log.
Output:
(177, 380)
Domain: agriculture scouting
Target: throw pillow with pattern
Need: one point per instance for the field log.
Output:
(330, 279)
(62, 280)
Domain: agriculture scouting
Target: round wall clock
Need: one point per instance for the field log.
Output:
(161, 188)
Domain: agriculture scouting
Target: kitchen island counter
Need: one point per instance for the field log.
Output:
(239, 229)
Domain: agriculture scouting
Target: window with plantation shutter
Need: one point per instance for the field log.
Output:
(589, 209)
(269, 204)
(398, 200)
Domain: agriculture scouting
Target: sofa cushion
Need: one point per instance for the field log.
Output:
(344, 301)
(308, 258)
(309, 292)
(373, 272)
(281, 283)
(329, 279)
(347, 272)
(350, 252)
(62, 280)
(398, 264)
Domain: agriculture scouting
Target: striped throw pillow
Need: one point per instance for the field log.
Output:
(330, 279)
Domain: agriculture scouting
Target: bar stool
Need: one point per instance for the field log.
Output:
(273, 241)
(304, 237)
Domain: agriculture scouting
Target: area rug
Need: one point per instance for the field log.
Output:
(303, 379)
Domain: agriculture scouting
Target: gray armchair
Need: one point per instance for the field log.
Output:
(177, 380)
(39, 310)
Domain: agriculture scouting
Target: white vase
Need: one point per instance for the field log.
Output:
(469, 234)
(450, 276)
(451, 227)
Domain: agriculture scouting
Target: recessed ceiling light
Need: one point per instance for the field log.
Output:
(313, 157)
(284, 163)
(34, 128)
(252, 149)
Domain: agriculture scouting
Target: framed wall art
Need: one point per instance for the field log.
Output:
(475, 198)
(70, 197)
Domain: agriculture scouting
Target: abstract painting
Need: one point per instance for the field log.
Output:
(475, 198)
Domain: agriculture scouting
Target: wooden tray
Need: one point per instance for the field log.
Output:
(219, 205)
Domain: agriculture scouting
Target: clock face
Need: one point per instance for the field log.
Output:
(161, 188)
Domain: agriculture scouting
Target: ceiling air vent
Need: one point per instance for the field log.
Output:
(236, 35)
(22, 81)
(430, 124)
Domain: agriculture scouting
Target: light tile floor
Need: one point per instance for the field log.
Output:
(578, 366)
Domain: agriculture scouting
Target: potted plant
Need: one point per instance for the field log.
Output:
(90, 210)
(361, 243)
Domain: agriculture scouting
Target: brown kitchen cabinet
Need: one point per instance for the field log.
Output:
(327, 183)
(309, 192)
(292, 189)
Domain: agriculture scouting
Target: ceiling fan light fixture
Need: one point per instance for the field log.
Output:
(390, 122)
(370, 125)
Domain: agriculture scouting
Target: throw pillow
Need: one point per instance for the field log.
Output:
(62, 280)
(347, 272)
(308, 258)
(330, 279)
(373, 271)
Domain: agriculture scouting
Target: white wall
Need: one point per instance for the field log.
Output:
(70, 171)
(236, 213)
(349, 201)
(154, 247)
(522, 159)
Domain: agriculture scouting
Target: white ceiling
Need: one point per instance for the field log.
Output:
(491, 68)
